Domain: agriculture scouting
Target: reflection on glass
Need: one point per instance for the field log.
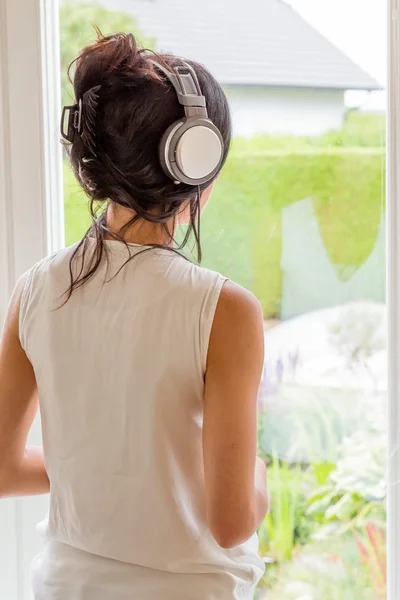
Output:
(298, 217)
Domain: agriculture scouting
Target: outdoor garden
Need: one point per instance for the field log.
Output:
(322, 426)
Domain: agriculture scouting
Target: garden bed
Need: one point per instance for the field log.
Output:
(322, 431)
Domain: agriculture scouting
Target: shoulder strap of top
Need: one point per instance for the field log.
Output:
(207, 315)
(25, 300)
(32, 287)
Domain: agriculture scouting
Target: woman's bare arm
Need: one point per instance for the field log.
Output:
(22, 470)
(236, 495)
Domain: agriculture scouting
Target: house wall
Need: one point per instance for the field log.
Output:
(284, 111)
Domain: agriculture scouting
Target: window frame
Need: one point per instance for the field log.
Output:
(393, 298)
(31, 214)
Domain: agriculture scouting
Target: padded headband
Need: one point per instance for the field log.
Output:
(187, 87)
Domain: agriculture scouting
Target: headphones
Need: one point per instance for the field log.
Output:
(191, 149)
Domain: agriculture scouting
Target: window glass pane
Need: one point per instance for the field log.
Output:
(298, 217)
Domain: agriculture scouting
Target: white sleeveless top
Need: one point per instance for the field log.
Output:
(120, 371)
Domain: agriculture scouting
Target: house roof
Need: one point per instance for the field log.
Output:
(250, 42)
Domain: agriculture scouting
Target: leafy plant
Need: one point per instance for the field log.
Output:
(286, 524)
(371, 543)
(353, 496)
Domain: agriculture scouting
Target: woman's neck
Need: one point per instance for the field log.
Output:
(142, 232)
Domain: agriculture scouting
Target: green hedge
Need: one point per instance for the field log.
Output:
(241, 226)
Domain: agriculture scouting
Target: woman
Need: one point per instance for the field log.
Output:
(146, 365)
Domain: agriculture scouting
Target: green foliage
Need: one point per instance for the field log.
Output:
(77, 218)
(242, 235)
(360, 130)
(353, 494)
(286, 524)
(77, 30)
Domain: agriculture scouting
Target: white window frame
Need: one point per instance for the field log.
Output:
(393, 299)
(32, 226)
(31, 213)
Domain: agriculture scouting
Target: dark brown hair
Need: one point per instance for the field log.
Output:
(135, 105)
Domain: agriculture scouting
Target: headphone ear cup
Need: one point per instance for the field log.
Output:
(165, 149)
(198, 152)
(191, 151)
